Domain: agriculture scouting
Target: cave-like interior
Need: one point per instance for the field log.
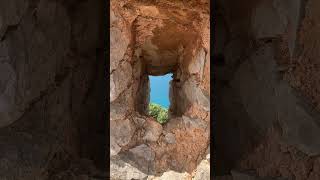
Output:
(159, 38)
(53, 88)
(266, 97)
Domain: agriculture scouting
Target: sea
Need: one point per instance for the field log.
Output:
(159, 86)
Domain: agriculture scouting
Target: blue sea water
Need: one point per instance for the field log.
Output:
(159, 86)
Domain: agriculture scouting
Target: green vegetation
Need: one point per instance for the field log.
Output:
(158, 112)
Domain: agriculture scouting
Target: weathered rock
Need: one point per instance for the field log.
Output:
(87, 34)
(113, 17)
(142, 157)
(268, 43)
(203, 171)
(48, 51)
(195, 94)
(119, 80)
(223, 178)
(8, 112)
(120, 169)
(194, 123)
(237, 175)
(143, 151)
(11, 14)
(118, 43)
(170, 138)
(117, 111)
(151, 52)
(197, 66)
(243, 176)
(153, 130)
(172, 175)
(277, 101)
(122, 131)
(114, 147)
(261, 82)
(267, 22)
(292, 11)
(139, 120)
(208, 157)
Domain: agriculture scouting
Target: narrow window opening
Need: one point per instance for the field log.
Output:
(159, 97)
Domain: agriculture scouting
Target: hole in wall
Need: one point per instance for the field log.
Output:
(159, 97)
(159, 86)
(161, 48)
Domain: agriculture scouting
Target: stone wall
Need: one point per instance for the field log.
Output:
(267, 88)
(51, 71)
(156, 38)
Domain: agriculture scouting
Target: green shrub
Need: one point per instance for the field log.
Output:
(158, 112)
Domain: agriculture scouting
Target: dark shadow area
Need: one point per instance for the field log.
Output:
(59, 110)
(235, 134)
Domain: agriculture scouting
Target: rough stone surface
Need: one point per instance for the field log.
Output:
(120, 169)
(195, 94)
(282, 105)
(142, 157)
(49, 71)
(153, 130)
(203, 171)
(123, 131)
(8, 83)
(275, 158)
(198, 64)
(170, 138)
(114, 147)
(267, 89)
(251, 176)
(156, 38)
(304, 71)
(118, 43)
(266, 12)
(194, 123)
(120, 80)
(172, 175)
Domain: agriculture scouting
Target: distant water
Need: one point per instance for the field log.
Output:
(159, 86)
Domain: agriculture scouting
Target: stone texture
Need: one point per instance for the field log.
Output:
(118, 45)
(195, 94)
(48, 76)
(153, 130)
(203, 171)
(8, 83)
(172, 175)
(276, 23)
(271, 63)
(223, 178)
(114, 147)
(143, 151)
(194, 123)
(151, 38)
(117, 111)
(277, 101)
(122, 131)
(119, 80)
(11, 14)
(120, 169)
(86, 33)
(142, 157)
(250, 176)
(197, 66)
(170, 138)
(304, 72)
